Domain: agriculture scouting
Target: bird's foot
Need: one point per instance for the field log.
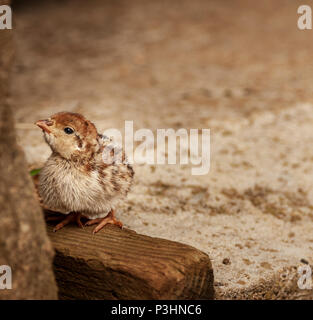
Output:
(109, 219)
(71, 217)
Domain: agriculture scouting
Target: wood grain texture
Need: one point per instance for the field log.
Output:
(121, 264)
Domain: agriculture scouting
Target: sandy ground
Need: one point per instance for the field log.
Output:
(240, 68)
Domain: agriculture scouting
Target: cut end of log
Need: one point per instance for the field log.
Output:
(121, 264)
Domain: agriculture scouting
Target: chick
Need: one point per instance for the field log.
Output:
(77, 179)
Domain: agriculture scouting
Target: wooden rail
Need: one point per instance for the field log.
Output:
(121, 264)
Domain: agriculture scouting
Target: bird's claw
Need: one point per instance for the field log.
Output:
(71, 217)
(109, 219)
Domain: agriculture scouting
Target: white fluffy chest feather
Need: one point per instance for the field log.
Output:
(65, 188)
(76, 183)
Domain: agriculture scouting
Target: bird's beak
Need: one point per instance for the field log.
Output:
(44, 125)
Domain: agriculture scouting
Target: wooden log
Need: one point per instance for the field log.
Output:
(121, 264)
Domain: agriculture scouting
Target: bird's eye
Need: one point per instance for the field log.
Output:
(68, 130)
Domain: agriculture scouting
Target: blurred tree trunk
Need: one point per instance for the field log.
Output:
(24, 245)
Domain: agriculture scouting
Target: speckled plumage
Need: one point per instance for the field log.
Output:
(75, 178)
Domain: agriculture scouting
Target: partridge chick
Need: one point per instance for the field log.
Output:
(77, 179)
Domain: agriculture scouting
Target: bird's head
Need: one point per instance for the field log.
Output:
(70, 135)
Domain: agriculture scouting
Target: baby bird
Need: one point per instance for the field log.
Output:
(86, 175)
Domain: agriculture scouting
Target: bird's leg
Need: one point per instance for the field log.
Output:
(109, 219)
(71, 217)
